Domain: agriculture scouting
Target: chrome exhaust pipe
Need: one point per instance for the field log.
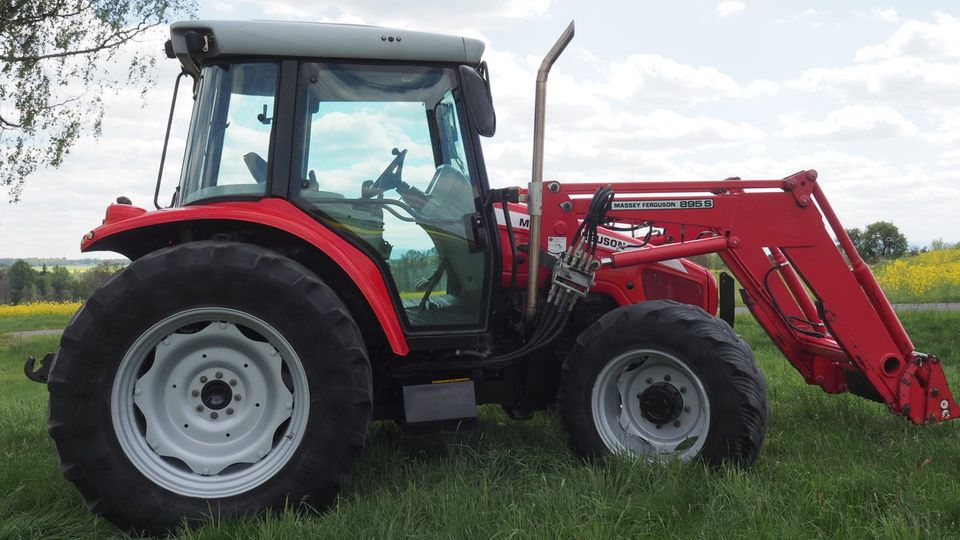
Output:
(535, 189)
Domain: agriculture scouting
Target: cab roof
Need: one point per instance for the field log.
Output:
(319, 40)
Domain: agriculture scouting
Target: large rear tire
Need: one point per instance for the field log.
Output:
(664, 380)
(210, 378)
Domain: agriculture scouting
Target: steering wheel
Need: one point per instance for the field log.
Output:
(389, 179)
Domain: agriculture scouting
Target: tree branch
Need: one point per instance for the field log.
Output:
(54, 12)
(8, 124)
(121, 37)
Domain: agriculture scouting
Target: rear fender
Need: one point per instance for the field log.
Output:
(134, 232)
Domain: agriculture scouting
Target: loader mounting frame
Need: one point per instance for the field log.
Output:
(819, 302)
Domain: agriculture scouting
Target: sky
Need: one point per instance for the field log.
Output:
(866, 93)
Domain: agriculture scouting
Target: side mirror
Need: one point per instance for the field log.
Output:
(476, 93)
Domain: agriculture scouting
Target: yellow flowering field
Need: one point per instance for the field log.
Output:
(929, 277)
(36, 316)
(39, 309)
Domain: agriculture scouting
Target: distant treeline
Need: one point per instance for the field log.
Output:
(50, 262)
(21, 283)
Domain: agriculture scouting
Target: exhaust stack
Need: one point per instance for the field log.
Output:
(535, 191)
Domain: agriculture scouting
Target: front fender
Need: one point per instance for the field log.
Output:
(275, 213)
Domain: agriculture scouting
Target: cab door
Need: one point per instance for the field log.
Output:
(382, 157)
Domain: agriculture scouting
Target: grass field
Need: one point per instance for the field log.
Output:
(834, 466)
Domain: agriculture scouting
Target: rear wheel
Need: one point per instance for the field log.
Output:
(664, 380)
(209, 378)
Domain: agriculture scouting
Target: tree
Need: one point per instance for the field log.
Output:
(940, 244)
(21, 277)
(93, 278)
(57, 60)
(4, 286)
(61, 283)
(880, 240)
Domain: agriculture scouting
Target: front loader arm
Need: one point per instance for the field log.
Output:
(819, 303)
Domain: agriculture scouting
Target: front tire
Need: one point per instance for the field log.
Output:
(209, 378)
(664, 380)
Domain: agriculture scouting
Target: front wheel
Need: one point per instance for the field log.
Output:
(209, 378)
(664, 380)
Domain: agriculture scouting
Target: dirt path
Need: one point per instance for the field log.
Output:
(28, 333)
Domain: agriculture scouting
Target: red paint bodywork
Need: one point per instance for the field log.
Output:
(282, 215)
(623, 285)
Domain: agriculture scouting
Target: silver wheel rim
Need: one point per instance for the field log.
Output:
(210, 402)
(648, 403)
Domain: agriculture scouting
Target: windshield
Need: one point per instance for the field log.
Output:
(229, 140)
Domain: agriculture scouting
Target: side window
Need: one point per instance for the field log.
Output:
(381, 159)
(232, 126)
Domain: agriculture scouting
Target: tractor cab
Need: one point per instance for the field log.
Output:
(383, 152)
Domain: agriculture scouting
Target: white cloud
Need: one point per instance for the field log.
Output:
(907, 79)
(947, 127)
(664, 128)
(938, 40)
(886, 15)
(729, 7)
(855, 121)
(526, 8)
(424, 15)
(950, 158)
(659, 80)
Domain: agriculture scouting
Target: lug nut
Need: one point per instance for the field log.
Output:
(229, 410)
(195, 393)
(683, 389)
(236, 397)
(199, 408)
(676, 423)
(686, 408)
(218, 374)
(649, 380)
(233, 382)
(203, 379)
(214, 415)
(666, 378)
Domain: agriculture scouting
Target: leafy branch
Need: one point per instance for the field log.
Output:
(57, 59)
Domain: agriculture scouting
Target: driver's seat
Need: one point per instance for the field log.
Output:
(256, 165)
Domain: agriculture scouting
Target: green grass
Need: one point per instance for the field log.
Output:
(44, 321)
(833, 466)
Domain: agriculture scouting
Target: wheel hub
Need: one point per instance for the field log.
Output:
(661, 403)
(210, 402)
(649, 402)
(216, 395)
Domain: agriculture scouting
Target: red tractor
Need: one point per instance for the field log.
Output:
(334, 255)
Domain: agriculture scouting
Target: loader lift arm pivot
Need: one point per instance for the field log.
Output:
(821, 305)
